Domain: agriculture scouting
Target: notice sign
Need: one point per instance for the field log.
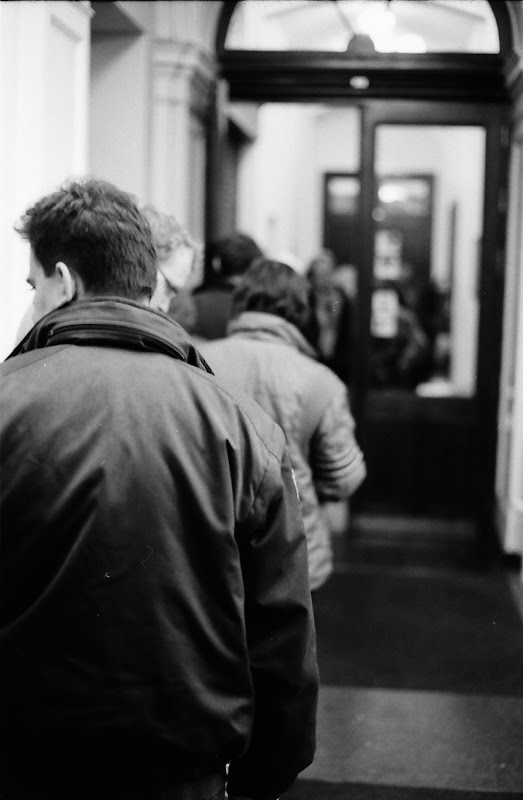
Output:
(384, 315)
(387, 255)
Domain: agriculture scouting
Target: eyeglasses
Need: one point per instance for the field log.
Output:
(172, 288)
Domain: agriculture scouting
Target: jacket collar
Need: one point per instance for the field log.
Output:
(269, 327)
(112, 322)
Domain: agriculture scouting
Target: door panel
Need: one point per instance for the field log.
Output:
(426, 321)
(428, 229)
(410, 209)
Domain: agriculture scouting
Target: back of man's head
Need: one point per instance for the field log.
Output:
(234, 254)
(99, 232)
(273, 287)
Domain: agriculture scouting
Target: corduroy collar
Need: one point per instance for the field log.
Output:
(112, 322)
(269, 327)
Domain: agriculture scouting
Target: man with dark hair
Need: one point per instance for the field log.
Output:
(268, 355)
(229, 258)
(155, 613)
(88, 239)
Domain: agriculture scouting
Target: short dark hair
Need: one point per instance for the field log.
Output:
(236, 253)
(273, 287)
(99, 232)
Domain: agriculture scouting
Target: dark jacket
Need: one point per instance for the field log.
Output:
(213, 304)
(155, 617)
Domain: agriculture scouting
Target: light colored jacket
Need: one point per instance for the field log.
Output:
(268, 358)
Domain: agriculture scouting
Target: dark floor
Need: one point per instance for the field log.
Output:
(420, 649)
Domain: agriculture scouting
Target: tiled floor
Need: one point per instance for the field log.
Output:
(419, 739)
(387, 742)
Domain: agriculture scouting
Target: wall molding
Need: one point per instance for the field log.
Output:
(184, 74)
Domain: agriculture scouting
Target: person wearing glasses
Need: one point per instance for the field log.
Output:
(179, 263)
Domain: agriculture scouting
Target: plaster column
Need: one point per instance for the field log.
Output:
(183, 80)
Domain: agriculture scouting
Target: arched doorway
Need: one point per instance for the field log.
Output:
(429, 437)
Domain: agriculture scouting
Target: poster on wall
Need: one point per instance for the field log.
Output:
(387, 254)
(384, 314)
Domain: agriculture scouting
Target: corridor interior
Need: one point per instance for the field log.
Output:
(420, 650)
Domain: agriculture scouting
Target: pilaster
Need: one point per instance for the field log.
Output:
(183, 80)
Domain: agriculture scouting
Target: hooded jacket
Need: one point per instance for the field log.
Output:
(269, 359)
(155, 617)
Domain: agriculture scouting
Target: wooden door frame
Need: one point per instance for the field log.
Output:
(493, 118)
(461, 89)
(500, 10)
(308, 74)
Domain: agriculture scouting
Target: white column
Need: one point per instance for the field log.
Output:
(183, 78)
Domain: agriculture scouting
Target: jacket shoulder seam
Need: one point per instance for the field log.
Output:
(12, 365)
(237, 401)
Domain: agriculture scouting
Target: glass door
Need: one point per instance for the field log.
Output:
(406, 198)
(429, 308)
(428, 230)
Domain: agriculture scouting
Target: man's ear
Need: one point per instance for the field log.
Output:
(216, 264)
(68, 281)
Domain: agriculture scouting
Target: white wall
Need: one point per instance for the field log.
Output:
(120, 111)
(44, 73)
(280, 180)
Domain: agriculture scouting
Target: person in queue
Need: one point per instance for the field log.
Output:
(178, 259)
(156, 626)
(268, 354)
(229, 258)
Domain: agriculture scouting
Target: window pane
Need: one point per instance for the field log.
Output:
(428, 216)
(400, 26)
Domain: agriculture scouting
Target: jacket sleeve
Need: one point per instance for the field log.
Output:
(281, 640)
(338, 466)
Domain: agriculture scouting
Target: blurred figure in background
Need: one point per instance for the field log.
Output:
(229, 257)
(329, 299)
(178, 256)
(268, 355)
(345, 279)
